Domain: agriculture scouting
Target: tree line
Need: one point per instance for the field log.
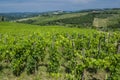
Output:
(2, 18)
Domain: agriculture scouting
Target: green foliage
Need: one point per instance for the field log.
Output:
(107, 19)
(54, 64)
(32, 65)
(85, 20)
(76, 50)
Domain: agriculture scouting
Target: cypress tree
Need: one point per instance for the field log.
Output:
(2, 18)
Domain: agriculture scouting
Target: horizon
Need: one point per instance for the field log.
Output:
(63, 10)
(22, 6)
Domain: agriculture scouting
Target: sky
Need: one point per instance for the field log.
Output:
(53, 5)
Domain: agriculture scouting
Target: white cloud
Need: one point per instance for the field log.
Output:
(81, 1)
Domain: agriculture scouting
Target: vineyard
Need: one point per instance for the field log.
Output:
(65, 53)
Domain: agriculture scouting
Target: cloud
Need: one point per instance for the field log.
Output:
(46, 1)
(81, 1)
(51, 5)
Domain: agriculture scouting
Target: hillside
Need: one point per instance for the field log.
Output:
(45, 18)
(18, 15)
(33, 52)
(91, 18)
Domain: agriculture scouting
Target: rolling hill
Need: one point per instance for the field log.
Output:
(89, 18)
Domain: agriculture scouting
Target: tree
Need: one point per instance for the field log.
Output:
(2, 18)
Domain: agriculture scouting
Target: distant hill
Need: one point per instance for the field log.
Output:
(23, 15)
(51, 19)
(98, 18)
(16, 16)
(85, 18)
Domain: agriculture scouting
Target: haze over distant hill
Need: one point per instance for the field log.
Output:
(85, 18)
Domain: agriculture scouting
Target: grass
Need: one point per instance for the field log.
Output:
(18, 28)
(100, 22)
(106, 22)
(41, 19)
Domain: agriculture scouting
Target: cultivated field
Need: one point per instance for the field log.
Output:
(31, 52)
